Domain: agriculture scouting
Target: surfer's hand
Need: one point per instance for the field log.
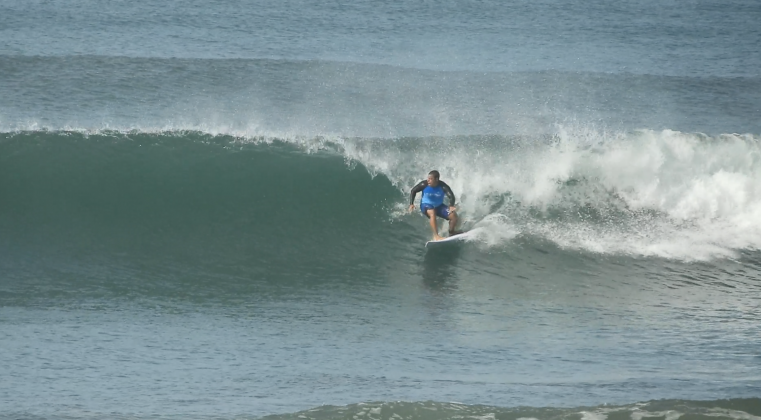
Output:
(412, 207)
(452, 209)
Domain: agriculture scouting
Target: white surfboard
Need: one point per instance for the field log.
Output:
(450, 240)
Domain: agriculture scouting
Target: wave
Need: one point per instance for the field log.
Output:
(735, 409)
(728, 409)
(643, 193)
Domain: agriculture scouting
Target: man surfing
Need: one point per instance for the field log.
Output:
(432, 202)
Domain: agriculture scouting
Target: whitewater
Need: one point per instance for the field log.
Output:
(203, 210)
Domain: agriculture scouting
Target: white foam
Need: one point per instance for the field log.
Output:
(733, 414)
(667, 194)
(667, 415)
(587, 415)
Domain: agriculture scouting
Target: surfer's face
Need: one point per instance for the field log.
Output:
(432, 181)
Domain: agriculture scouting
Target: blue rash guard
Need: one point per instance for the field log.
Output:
(433, 198)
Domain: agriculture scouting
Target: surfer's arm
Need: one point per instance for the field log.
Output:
(416, 189)
(448, 192)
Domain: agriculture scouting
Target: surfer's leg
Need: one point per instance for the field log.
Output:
(452, 223)
(434, 227)
(443, 212)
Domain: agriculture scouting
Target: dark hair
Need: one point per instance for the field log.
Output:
(435, 174)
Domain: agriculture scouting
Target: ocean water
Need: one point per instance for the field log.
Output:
(203, 210)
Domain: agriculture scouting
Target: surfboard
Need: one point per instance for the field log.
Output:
(449, 240)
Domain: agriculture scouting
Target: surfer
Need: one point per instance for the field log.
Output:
(432, 202)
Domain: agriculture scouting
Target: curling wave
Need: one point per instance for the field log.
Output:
(667, 194)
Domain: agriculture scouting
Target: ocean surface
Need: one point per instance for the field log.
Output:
(203, 210)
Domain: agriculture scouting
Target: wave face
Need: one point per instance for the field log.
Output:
(181, 193)
(665, 194)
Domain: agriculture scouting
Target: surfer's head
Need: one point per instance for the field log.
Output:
(433, 178)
